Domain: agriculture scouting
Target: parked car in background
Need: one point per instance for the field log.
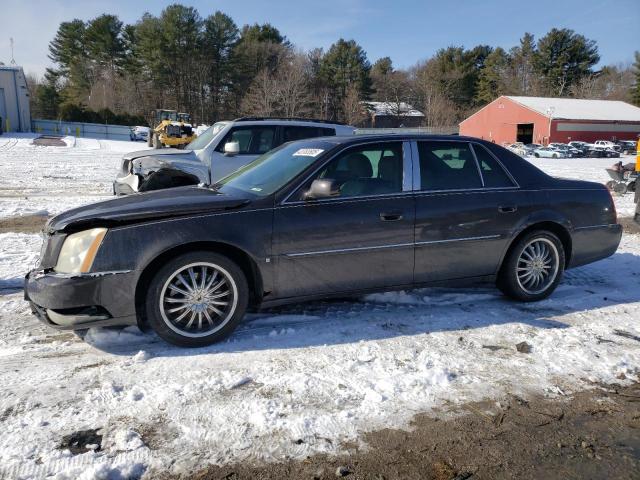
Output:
(217, 152)
(583, 147)
(139, 133)
(627, 147)
(519, 149)
(317, 218)
(533, 146)
(566, 150)
(606, 145)
(547, 152)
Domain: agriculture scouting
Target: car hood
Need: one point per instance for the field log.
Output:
(156, 205)
(156, 152)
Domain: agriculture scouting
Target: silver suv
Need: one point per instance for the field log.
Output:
(217, 152)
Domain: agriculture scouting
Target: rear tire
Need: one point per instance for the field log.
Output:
(197, 299)
(533, 267)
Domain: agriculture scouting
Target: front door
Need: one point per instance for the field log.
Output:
(361, 239)
(464, 211)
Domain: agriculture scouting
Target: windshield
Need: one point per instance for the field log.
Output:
(205, 137)
(273, 170)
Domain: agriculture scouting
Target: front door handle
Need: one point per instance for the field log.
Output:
(391, 216)
(509, 209)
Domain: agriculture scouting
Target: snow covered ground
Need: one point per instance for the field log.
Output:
(292, 381)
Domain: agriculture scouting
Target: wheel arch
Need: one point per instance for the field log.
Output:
(554, 227)
(246, 263)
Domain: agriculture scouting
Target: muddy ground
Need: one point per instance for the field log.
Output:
(23, 224)
(593, 435)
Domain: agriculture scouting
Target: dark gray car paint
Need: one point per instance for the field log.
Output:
(304, 250)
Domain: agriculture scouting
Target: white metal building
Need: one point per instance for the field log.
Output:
(14, 100)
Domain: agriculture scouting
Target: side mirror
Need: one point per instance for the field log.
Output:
(231, 148)
(322, 188)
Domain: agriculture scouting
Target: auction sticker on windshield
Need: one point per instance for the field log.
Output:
(308, 152)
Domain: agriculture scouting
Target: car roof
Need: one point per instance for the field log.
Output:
(358, 138)
(288, 121)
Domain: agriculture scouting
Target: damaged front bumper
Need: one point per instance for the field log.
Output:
(75, 302)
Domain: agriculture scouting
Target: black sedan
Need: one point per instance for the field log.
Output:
(319, 218)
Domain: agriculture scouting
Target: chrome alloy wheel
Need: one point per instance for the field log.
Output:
(537, 266)
(198, 299)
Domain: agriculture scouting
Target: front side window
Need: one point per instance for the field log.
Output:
(252, 140)
(447, 166)
(492, 172)
(373, 169)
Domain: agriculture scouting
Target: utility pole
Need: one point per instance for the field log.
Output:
(13, 60)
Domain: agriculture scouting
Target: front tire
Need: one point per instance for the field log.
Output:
(533, 267)
(197, 299)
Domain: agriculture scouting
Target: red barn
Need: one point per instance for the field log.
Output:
(546, 120)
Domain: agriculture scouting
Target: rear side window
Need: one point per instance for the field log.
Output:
(447, 166)
(252, 140)
(300, 133)
(492, 172)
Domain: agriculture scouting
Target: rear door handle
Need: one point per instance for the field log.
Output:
(391, 216)
(509, 209)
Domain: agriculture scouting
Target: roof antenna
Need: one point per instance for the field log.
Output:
(13, 60)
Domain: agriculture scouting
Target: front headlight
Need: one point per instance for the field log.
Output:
(79, 250)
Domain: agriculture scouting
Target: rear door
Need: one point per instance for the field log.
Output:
(465, 209)
(361, 239)
(254, 140)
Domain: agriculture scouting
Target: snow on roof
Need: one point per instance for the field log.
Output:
(580, 109)
(392, 108)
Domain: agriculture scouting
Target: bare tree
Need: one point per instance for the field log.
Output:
(353, 110)
(261, 98)
(292, 87)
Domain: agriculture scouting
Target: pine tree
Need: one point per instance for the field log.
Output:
(522, 62)
(344, 66)
(563, 59)
(492, 80)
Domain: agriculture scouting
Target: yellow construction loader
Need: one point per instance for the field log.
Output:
(170, 128)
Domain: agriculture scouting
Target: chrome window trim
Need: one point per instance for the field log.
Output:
(467, 190)
(336, 200)
(380, 247)
(286, 201)
(475, 159)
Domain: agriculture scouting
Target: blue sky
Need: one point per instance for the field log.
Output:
(406, 31)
